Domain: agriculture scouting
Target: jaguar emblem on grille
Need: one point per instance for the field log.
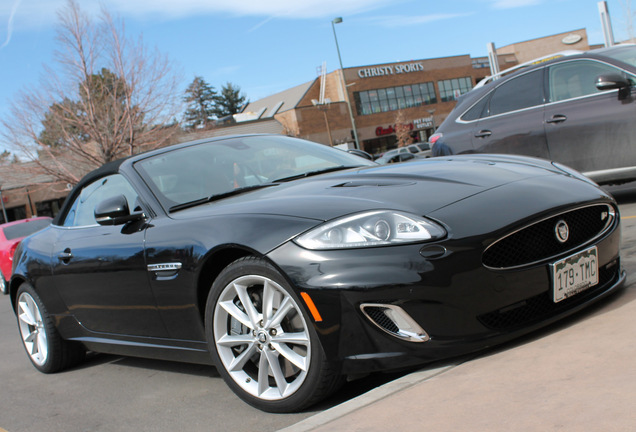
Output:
(562, 231)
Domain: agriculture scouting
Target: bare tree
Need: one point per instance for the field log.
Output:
(108, 97)
(402, 130)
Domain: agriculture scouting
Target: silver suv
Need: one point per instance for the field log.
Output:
(578, 109)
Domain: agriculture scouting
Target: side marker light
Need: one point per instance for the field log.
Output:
(311, 306)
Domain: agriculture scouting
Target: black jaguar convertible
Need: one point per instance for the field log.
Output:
(289, 265)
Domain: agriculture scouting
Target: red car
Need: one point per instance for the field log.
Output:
(10, 235)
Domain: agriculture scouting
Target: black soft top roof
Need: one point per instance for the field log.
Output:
(103, 171)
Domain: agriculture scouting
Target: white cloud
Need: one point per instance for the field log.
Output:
(14, 9)
(277, 8)
(40, 13)
(393, 21)
(224, 71)
(511, 4)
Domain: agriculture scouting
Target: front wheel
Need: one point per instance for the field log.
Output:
(45, 347)
(261, 341)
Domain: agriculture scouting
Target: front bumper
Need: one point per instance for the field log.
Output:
(462, 306)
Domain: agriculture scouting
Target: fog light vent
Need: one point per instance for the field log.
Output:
(394, 321)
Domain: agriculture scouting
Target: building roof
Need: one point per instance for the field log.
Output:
(240, 128)
(276, 103)
(17, 175)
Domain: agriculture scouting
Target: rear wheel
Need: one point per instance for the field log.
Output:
(45, 347)
(4, 286)
(261, 341)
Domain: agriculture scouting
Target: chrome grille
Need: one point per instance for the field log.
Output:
(539, 241)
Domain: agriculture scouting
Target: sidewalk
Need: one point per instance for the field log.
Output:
(579, 375)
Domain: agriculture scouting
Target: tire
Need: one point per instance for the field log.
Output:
(4, 286)
(261, 340)
(46, 349)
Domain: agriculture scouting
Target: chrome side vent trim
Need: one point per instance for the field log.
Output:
(165, 271)
(164, 267)
(395, 321)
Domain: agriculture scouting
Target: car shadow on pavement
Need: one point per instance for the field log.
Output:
(98, 359)
(349, 390)
(603, 306)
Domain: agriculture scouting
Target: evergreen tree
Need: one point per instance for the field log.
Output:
(57, 120)
(6, 158)
(200, 99)
(98, 116)
(230, 101)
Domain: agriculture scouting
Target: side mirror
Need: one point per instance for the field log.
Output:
(115, 211)
(614, 81)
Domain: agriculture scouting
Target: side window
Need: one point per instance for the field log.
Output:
(524, 91)
(576, 78)
(83, 208)
(476, 111)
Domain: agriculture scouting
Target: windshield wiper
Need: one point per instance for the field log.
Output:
(219, 196)
(313, 173)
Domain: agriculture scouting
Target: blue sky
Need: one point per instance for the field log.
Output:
(266, 46)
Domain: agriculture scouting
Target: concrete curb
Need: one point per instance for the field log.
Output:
(367, 398)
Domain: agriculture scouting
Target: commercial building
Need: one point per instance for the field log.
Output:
(25, 193)
(417, 93)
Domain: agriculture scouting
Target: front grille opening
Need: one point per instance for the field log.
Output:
(395, 321)
(379, 318)
(538, 241)
(540, 307)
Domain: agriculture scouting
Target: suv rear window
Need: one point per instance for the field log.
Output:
(477, 111)
(521, 92)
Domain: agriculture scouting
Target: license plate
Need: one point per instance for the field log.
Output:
(574, 274)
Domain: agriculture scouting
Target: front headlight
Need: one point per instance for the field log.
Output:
(372, 228)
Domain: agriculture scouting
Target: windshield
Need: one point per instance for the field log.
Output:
(200, 171)
(624, 53)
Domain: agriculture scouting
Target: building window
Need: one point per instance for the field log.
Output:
(394, 98)
(450, 90)
(49, 208)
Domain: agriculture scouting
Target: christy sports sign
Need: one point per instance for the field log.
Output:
(390, 70)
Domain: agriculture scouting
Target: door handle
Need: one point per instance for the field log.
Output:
(558, 118)
(483, 133)
(65, 256)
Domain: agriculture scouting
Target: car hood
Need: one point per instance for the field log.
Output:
(416, 187)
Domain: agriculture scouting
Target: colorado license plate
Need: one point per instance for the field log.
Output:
(574, 274)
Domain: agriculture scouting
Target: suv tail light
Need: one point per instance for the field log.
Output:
(433, 139)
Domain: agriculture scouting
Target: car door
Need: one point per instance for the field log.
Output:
(100, 271)
(586, 128)
(512, 119)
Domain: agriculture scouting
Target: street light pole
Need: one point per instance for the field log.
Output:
(335, 21)
(4, 211)
(432, 113)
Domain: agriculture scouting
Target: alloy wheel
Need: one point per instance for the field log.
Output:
(262, 337)
(32, 329)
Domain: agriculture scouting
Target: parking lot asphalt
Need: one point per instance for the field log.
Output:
(577, 375)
